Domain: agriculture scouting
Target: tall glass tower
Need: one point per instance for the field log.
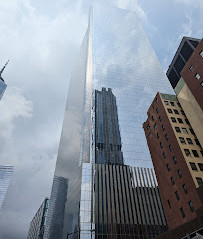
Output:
(5, 176)
(104, 185)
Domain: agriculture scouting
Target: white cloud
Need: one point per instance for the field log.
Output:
(12, 106)
(192, 3)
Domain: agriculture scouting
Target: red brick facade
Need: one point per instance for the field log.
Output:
(167, 189)
(195, 66)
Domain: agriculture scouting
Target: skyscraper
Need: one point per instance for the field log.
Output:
(2, 82)
(103, 146)
(5, 176)
(37, 225)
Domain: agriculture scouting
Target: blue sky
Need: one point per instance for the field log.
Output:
(41, 39)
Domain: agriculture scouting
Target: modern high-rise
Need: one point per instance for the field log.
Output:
(178, 162)
(5, 176)
(104, 180)
(182, 55)
(37, 225)
(189, 90)
(2, 82)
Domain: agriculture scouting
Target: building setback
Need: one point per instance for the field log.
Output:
(189, 90)
(36, 230)
(177, 158)
(182, 55)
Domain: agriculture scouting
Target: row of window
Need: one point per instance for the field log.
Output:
(166, 102)
(194, 152)
(197, 75)
(181, 209)
(194, 167)
(179, 120)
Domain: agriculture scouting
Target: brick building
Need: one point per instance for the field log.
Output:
(189, 90)
(177, 158)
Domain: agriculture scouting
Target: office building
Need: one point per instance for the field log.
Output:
(178, 162)
(36, 230)
(189, 90)
(102, 142)
(5, 176)
(2, 82)
(182, 55)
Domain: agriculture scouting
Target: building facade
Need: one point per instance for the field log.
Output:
(2, 82)
(102, 141)
(177, 158)
(5, 176)
(37, 225)
(189, 90)
(182, 55)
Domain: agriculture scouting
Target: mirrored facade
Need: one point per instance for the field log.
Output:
(2, 88)
(111, 190)
(5, 176)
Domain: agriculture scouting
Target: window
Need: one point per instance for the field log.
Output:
(195, 153)
(161, 145)
(157, 110)
(180, 120)
(177, 196)
(182, 212)
(200, 166)
(189, 141)
(169, 204)
(191, 206)
(176, 112)
(168, 167)
(156, 99)
(164, 154)
(192, 131)
(155, 126)
(184, 130)
(182, 140)
(197, 76)
(172, 103)
(160, 119)
(152, 118)
(187, 152)
(166, 137)
(174, 160)
(173, 119)
(149, 113)
(179, 173)
(172, 181)
(153, 106)
(201, 151)
(197, 142)
(201, 84)
(182, 112)
(201, 53)
(170, 111)
(163, 128)
(177, 129)
(199, 181)
(158, 135)
(187, 121)
(178, 104)
(193, 166)
(185, 189)
(150, 135)
(165, 102)
(148, 126)
(170, 147)
(192, 68)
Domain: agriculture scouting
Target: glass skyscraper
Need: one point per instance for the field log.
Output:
(2, 82)
(5, 176)
(104, 180)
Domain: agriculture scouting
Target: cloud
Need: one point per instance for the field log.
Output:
(193, 3)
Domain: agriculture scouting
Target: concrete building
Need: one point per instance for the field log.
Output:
(178, 160)
(189, 90)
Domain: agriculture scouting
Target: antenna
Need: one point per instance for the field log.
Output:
(3, 70)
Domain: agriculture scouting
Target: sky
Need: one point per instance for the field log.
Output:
(42, 39)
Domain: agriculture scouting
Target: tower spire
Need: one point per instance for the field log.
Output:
(3, 70)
